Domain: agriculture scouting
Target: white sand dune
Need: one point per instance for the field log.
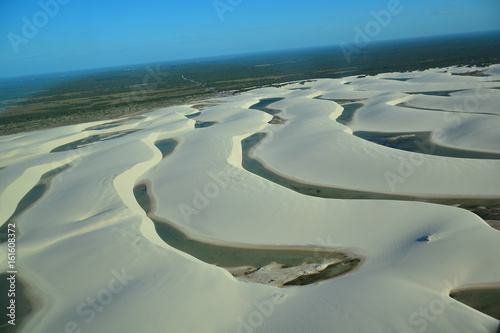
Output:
(93, 260)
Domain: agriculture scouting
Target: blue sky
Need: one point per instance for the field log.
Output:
(83, 34)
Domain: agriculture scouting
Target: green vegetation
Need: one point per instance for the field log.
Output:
(30, 103)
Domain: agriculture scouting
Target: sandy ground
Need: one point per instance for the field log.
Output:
(92, 260)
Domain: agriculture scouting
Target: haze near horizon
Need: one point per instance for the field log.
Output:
(49, 36)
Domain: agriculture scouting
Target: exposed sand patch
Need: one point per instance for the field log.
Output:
(88, 227)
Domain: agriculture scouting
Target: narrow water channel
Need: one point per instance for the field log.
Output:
(166, 147)
(348, 113)
(256, 167)
(486, 208)
(91, 140)
(30, 198)
(263, 106)
(228, 256)
(486, 300)
(420, 142)
(23, 304)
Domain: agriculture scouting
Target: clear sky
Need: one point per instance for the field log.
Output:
(45, 36)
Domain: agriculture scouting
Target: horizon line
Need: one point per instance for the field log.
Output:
(96, 70)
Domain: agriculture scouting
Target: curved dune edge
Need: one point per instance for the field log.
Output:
(253, 164)
(284, 266)
(482, 299)
(89, 229)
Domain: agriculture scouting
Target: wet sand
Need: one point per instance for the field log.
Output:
(486, 300)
